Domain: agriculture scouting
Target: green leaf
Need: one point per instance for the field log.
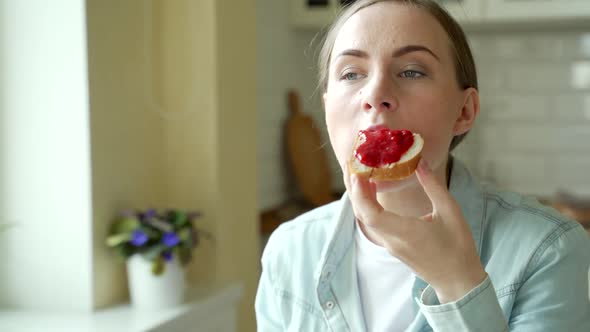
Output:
(160, 226)
(150, 232)
(158, 266)
(117, 239)
(123, 252)
(185, 236)
(180, 218)
(154, 252)
(124, 225)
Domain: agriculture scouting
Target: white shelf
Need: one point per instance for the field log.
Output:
(207, 309)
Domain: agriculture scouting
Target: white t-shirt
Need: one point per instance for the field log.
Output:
(385, 285)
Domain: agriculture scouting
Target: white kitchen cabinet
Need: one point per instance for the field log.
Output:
(320, 13)
(464, 11)
(528, 10)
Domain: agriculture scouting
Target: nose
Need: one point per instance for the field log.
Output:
(379, 95)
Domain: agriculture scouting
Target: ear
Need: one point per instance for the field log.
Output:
(469, 112)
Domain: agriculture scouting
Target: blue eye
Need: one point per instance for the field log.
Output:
(350, 76)
(411, 74)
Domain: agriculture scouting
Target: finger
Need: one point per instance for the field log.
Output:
(370, 212)
(346, 176)
(363, 193)
(427, 217)
(441, 199)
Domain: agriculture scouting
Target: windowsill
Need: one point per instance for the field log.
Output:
(201, 306)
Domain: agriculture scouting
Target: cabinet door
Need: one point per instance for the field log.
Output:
(523, 10)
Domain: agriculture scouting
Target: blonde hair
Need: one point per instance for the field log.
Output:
(464, 64)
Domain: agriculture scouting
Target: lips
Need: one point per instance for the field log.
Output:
(377, 127)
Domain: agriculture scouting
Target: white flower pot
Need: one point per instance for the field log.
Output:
(153, 292)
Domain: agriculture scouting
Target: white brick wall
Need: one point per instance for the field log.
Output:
(534, 129)
(533, 135)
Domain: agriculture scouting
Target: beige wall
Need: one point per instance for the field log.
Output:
(126, 136)
(236, 134)
(196, 149)
(189, 92)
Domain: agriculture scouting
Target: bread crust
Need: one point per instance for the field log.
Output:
(391, 172)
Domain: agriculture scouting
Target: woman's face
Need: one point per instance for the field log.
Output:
(392, 65)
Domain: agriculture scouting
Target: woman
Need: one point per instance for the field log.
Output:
(436, 251)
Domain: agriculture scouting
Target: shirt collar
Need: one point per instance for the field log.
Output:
(470, 196)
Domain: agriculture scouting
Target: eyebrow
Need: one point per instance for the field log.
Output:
(398, 53)
(413, 48)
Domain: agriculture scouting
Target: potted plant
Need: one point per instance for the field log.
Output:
(156, 245)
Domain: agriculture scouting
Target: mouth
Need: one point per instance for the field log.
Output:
(377, 127)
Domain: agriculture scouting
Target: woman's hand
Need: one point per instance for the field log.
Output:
(438, 247)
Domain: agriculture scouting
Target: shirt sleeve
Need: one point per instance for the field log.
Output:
(553, 295)
(268, 317)
(478, 310)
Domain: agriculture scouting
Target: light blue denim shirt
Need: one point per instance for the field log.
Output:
(536, 260)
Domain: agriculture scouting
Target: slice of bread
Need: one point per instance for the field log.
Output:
(390, 172)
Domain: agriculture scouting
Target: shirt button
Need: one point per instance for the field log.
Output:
(329, 305)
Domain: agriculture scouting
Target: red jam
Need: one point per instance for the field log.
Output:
(383, 146)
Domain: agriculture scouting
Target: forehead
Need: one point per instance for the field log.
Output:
(386, 26)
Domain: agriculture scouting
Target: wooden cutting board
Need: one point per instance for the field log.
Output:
(308, 155)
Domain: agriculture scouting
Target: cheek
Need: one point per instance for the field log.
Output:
(437, 129)
(342, 129)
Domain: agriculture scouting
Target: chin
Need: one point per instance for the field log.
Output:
(397, 185)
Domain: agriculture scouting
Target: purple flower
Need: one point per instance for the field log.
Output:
(170, 239)
(149, 214)
(138, 238)
(167, 256)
